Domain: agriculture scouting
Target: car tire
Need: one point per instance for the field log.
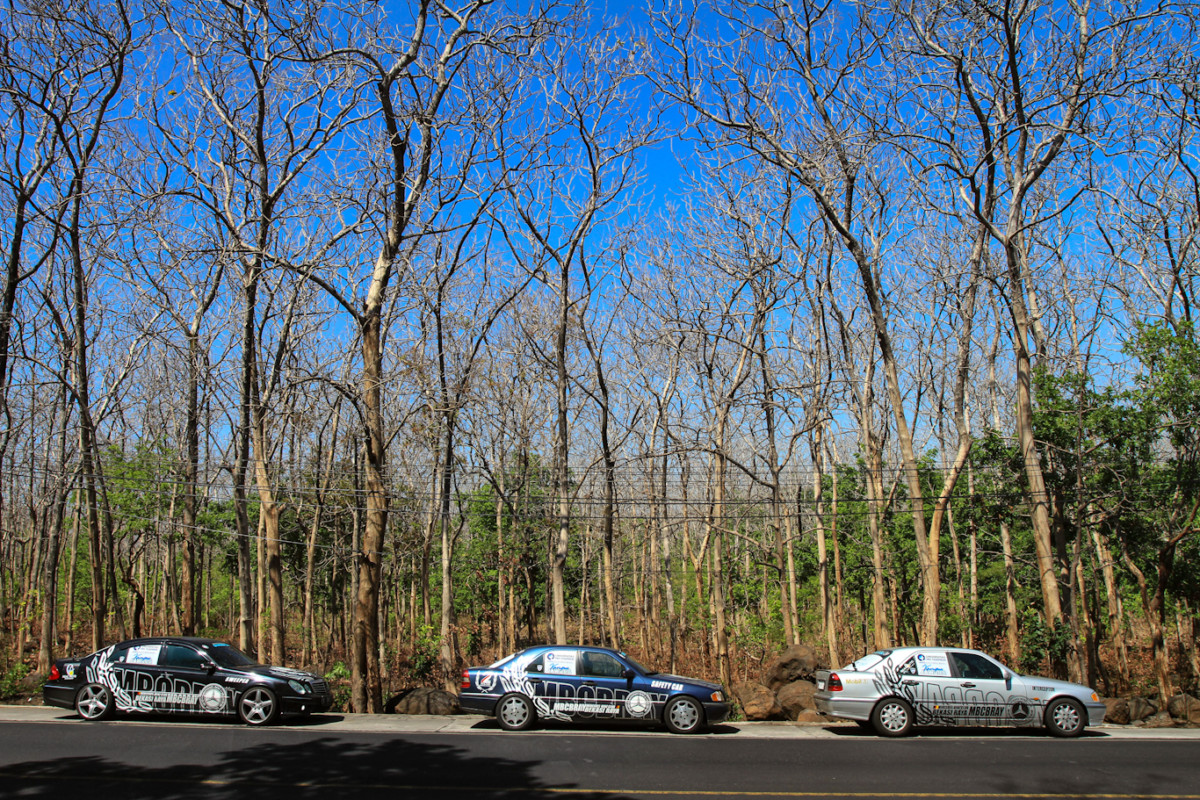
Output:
(892, 717)
(94, 702)
(514, 712)
(1065, 718)
(258, 705)
(683, 715)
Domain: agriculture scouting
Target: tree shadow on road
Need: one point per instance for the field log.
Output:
(320, 768)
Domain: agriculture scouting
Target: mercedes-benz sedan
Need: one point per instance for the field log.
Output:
(182, 675)
(893, 690)
(588, 683)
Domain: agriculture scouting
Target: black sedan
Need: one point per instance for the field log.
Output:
(182, 675)
(588, 683)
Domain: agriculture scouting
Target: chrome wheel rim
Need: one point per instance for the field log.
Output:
(1066, 717)
(685, 716)
(894, 717)
(93, 702)
(257, 706)
(514, 712)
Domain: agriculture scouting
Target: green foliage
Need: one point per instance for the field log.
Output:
(425, 654)
(1041, 644)
(339, 683)
(10, 680)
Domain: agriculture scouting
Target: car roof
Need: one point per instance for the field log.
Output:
(196, 640)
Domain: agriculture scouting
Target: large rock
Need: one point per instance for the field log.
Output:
(812, 716)
(1160, 720)
(423, 701)
(1140, 708)
(796, 698)
(1116, 710)
(798, 662)
(757, 701)
(1184, 708)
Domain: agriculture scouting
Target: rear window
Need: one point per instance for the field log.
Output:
(868, 661)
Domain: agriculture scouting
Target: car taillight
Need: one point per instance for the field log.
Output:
(835, 683)
(54, 673)
(466, 683)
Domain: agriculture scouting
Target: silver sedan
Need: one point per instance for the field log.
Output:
(893, 690)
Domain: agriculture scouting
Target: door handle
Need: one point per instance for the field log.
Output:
(968, 685)
(535, 680)
(589, 683)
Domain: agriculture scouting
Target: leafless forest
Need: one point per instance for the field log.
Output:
(385, 338)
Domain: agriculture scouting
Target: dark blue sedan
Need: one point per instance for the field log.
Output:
(566, 683)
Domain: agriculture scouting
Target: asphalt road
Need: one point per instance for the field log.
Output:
(50, 755)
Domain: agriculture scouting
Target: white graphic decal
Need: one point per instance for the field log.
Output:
(487, 681)
(673, 687)
(70, 671)
(638, 704)
(237, 680)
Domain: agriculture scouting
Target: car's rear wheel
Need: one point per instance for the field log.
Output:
(94, 702)
(514, 712)
(683, 715)
(1065, 717)
(258, 706)
(892, 717)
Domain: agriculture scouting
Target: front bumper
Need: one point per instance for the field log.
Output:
(715, 713)
(1095, 712)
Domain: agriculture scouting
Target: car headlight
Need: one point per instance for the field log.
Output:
(300, 688)
(718, 697)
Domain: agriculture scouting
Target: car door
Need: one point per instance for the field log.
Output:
(137, 677)
(990, 696)
(190, 676)
(603, 685)
(553, 680)
(927, 680)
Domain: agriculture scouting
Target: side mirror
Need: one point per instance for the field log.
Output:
(211, 666)
(1008, 679)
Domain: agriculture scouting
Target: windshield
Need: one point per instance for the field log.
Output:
(638, 666)
(868, 661)
(228, 656)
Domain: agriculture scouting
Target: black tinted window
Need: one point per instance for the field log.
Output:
(976, 667)
(601, 665)
(179, 655)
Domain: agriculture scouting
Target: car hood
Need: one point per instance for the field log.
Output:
(665, 678)
(283, 673)
(1046, 687)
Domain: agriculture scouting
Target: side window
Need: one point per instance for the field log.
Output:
(178, 655)
(600, 665)
(975, 667)
(535, 665)
(907, 668)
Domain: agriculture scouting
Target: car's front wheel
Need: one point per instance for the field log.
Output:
(514, 712)
(892, 717)
(1064, 717)
(683, 715)
(258, 706)
(94, 702)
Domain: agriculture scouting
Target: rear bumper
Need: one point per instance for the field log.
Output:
(59, 695)
(472, 703)
(844, 708)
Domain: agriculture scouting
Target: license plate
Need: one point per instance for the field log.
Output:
(820, 684)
